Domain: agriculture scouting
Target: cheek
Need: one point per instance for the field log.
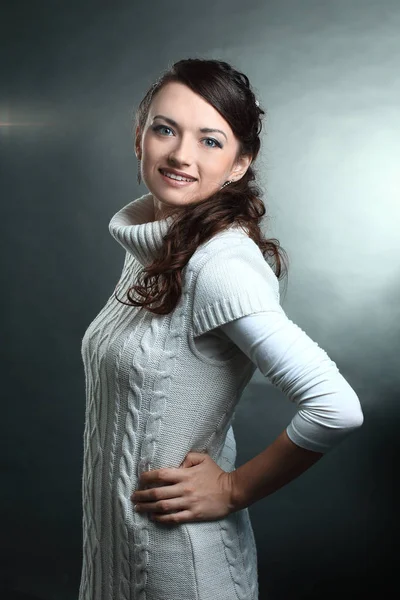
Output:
(152, 144)
(149, 147)
(151, 156)
(215, 167)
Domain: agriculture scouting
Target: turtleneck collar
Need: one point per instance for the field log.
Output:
(134, 227)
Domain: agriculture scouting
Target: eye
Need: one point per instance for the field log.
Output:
(216, 143)
(158, 127)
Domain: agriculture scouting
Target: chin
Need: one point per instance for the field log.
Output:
(172, 197)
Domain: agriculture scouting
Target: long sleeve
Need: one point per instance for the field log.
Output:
(328, 407)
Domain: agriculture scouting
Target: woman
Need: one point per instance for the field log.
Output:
(165, 512)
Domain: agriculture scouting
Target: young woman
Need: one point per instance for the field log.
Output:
(165, 511)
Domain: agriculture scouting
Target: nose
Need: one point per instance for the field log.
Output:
(182, 152)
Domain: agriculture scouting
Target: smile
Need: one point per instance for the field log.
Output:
(176, 180)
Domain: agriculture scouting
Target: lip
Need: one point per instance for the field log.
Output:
(175, 182)
(175, 172)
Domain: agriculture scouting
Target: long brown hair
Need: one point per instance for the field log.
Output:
(230, 93)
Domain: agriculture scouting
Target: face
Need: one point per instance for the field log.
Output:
(175, 141)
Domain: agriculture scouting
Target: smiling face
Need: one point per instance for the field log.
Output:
(174, 140)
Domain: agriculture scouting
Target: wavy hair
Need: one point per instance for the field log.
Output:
(230, 93)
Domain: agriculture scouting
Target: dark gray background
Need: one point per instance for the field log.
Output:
(328, 75)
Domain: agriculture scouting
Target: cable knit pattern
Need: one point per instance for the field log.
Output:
(151, 397)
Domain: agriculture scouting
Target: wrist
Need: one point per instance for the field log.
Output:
(237, 499)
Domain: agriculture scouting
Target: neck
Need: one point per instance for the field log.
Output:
(162, 211)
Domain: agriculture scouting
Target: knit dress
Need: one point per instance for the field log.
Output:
(158, 387)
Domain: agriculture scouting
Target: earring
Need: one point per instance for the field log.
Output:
(227, 182)
(139, 178)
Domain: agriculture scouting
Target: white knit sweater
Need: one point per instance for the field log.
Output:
(159, 386)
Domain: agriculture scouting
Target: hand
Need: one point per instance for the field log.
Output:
(199, 490)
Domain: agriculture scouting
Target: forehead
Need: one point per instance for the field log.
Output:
(179, 102)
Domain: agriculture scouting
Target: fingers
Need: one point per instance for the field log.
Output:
(162, 506)
(157, 493)
(184, 516)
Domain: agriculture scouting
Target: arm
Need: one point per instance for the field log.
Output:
(328, 407)
(281, 462)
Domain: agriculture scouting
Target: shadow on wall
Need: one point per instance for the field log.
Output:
(10, 595)
(348, 587)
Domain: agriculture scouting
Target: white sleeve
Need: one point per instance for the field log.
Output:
(328, 407)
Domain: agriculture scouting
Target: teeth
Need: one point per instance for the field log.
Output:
(178, 177)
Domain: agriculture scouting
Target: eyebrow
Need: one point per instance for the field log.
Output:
(203, 130)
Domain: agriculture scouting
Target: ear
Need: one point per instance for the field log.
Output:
(241, 167)
(138, 150)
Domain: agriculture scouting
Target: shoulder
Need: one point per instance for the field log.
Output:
(231, 278)
(232, 257)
